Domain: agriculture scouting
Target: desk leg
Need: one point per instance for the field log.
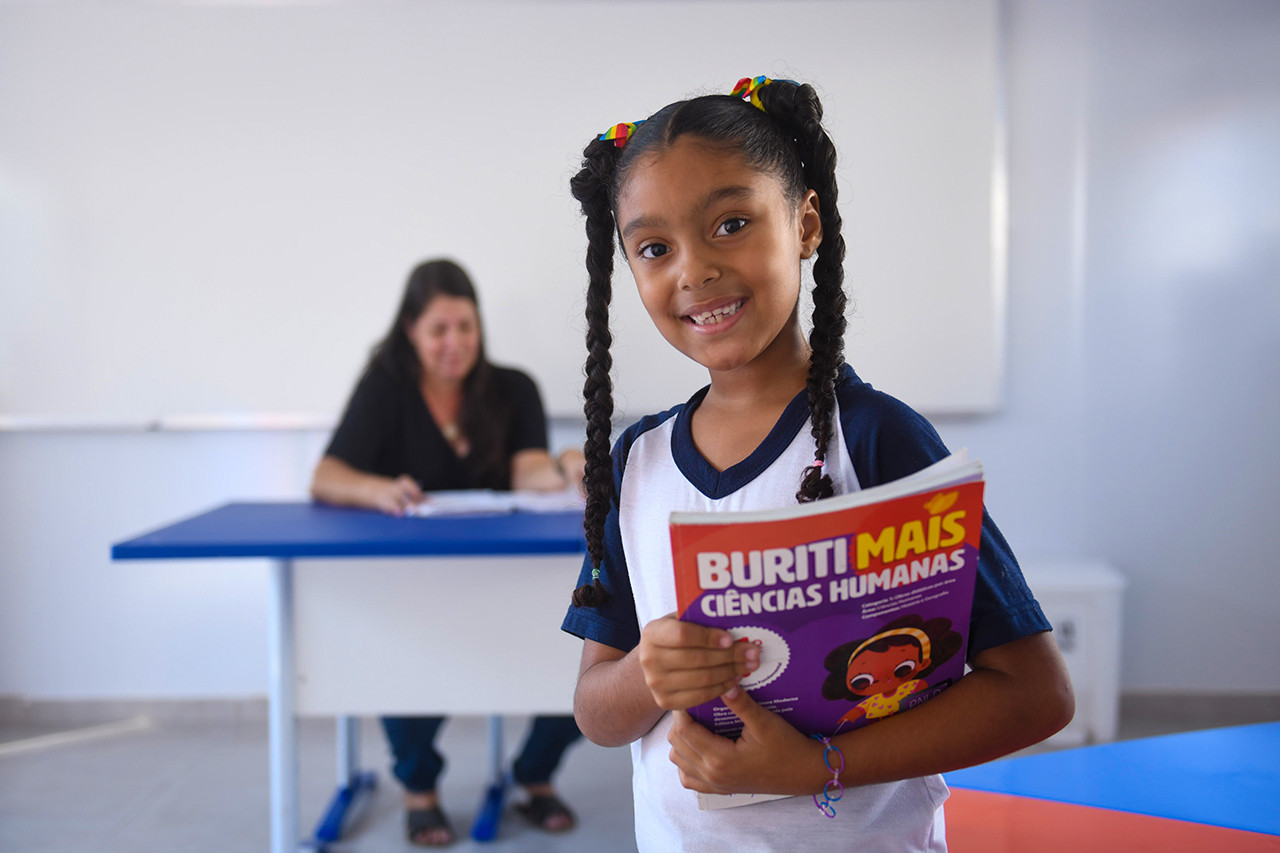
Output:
(353, 783)
(348, 748)
(486, 823)
(283, 725)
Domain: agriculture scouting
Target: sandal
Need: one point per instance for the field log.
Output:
(548, 812)
(421, 823)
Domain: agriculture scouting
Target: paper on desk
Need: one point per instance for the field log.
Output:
(488, 501)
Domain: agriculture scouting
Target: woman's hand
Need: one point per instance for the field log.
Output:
(572, 465)
(536, 470)
(770, 757)
(686, 664)
(336, 482)
(393, 497)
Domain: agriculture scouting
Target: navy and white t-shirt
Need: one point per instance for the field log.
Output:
(657, 471)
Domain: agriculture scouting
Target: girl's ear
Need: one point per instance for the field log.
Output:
(810, 225)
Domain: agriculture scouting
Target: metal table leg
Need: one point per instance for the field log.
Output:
(352, 783)
(282, 725)
(489, 817)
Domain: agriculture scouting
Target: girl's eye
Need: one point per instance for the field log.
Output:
(732, 225)
(904, 669)
(653, 251)
(860, 683)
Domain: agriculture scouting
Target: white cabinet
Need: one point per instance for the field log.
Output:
(1081, 599)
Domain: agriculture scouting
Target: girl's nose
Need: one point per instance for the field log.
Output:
(697, 270)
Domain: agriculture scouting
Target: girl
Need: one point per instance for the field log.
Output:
(716, 202)
(431, 412)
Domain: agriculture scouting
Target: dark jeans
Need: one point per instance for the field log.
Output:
(417, 763)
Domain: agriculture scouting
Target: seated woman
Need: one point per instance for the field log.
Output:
(431, 413)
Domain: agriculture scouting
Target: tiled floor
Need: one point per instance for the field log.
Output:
(202, 787)
(172, 783)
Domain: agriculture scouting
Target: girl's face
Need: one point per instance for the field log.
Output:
(715, 248)
(446, 337)
(883, 672)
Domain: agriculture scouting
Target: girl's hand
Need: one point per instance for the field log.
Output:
(686, 664)
(770, 757)
(394, 496)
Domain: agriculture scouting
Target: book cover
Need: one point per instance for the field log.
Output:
(859, 603)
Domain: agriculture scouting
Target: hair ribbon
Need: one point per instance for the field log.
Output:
(748, 89)
(620, 132)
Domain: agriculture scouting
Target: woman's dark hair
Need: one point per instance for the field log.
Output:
(785, 138)
(944, 643)
(483, 416)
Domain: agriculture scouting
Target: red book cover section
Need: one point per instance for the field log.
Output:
(859, 603)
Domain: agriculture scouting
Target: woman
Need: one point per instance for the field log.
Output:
(431, 413)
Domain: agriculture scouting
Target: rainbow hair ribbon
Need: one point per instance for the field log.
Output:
(620, 132)
(748, 89)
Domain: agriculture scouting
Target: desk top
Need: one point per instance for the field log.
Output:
(305, 529)
(1221, 777)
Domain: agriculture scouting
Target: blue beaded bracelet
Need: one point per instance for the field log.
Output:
(833, 790)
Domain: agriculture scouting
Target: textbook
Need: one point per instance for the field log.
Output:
(490, 501)
(859, 603)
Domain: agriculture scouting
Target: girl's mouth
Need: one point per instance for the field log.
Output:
(716, 315)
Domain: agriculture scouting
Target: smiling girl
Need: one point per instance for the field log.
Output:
(717, 203)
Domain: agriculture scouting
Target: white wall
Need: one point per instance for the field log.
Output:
(1142, 400)
(1144, 322)
(210, 207)
(1182, 317)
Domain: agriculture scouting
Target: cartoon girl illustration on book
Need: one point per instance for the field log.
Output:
(887, 667)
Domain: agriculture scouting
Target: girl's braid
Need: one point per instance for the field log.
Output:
(798, 109)
(592, 187)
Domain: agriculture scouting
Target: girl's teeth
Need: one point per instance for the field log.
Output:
(716, 316)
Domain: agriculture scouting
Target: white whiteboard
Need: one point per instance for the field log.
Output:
(211, 209)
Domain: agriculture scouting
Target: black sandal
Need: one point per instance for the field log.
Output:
(541, 808)
(419, 823)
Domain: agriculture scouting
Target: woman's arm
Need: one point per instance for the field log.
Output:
(1017, 694)
(336, 482)
(535, 469)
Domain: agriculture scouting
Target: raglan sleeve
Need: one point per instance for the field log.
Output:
(888, 440)
(613, 623)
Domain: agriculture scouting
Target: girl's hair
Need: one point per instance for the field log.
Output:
(943, 642)
(483, 409)
(783, 137)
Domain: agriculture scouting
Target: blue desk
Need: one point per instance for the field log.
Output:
(288, 532)
(292, 530)
(1212, 789)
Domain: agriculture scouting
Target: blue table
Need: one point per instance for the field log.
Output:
(1225, 779)
(285, 532)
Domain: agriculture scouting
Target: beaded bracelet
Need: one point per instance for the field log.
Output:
(833, 787)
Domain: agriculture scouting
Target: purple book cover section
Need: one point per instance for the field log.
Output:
(859, 612)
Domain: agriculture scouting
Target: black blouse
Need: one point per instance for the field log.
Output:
(388, 430)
